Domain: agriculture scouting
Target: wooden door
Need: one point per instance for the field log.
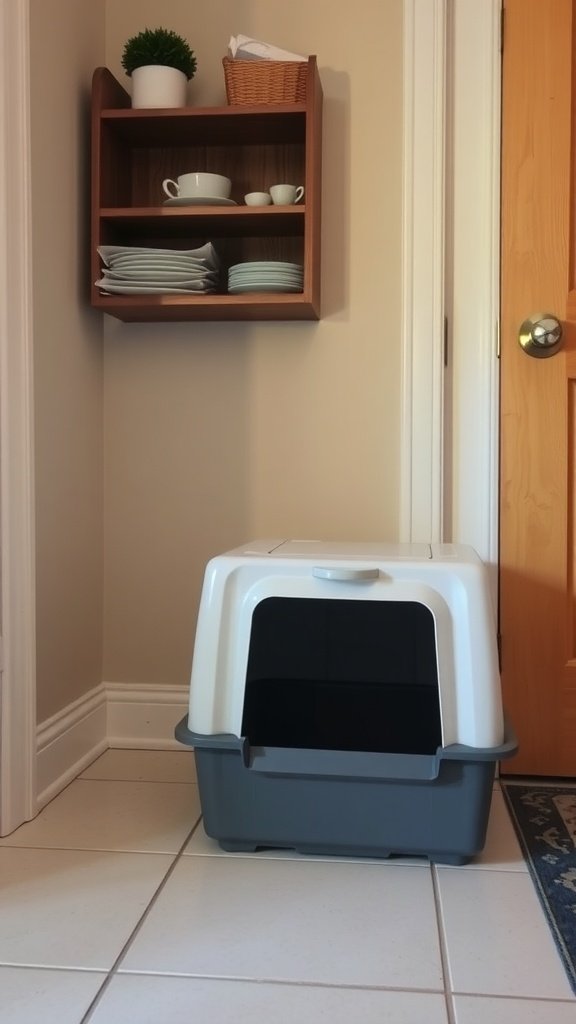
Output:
(538, 395)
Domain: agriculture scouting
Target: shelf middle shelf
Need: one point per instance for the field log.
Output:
(229, 222)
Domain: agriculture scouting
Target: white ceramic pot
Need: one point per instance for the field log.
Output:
(156, 85)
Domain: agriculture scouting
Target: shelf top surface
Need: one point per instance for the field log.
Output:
(240, 210)
(242, 111)
(198, 126)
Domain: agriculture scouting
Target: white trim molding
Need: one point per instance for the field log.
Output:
(474, 295)
(145, 716)
(421, 489)
(18, 679)
(69, 741)
(449, 440)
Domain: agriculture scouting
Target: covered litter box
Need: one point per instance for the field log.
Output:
(345, 699)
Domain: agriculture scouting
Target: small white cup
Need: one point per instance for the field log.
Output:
(286, 195)
(258, 199)
(198, 183)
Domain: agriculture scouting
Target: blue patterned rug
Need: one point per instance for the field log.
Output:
(545, 820)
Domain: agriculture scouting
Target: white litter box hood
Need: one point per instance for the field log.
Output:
(449, 580)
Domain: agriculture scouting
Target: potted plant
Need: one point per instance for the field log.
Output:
(160, 63)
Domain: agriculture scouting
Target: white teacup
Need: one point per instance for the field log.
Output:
(258, 199)
(286, 195)
(198, 184)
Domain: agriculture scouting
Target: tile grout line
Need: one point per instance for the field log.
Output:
(114, 968)
(147, 782)
(90, 849)
(262, 855)
(448, 997)
(281, 982)
(137, 782)
(516, 998)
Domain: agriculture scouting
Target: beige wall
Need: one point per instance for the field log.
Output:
(218, 433)
(67, 41)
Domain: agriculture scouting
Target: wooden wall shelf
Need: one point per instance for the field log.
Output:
(257, 146)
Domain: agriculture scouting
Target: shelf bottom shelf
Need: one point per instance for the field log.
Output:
(177, 308)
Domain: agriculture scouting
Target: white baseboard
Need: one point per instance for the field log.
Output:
(110, 715)
(69, 741)
(144, 716)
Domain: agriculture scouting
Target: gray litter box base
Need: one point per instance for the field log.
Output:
(345, 803)
(232, 846)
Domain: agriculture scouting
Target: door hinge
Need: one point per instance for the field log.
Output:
(499, 646)
(445, 341)
(502, 22)
(497, 339)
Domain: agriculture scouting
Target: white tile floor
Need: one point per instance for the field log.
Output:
(115, 908)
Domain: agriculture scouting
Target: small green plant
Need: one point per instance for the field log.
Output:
(158, 46)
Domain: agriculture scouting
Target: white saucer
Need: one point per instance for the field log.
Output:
(263, 286)
(199, 201)
(267, 265)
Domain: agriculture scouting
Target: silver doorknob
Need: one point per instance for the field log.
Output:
(541, 335)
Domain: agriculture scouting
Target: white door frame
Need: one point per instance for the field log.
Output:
(449, 450)
(18, 678)
(421, 448)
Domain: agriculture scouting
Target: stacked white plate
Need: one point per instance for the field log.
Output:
(129, 270)
(265, 276)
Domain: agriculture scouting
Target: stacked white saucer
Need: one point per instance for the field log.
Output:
(265, 276)
(130, 270)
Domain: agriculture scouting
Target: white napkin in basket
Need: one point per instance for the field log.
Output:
(245, 48)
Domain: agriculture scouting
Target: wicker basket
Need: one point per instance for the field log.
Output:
(265, 81)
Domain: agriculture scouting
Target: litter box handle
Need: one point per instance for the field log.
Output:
(344, 575)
